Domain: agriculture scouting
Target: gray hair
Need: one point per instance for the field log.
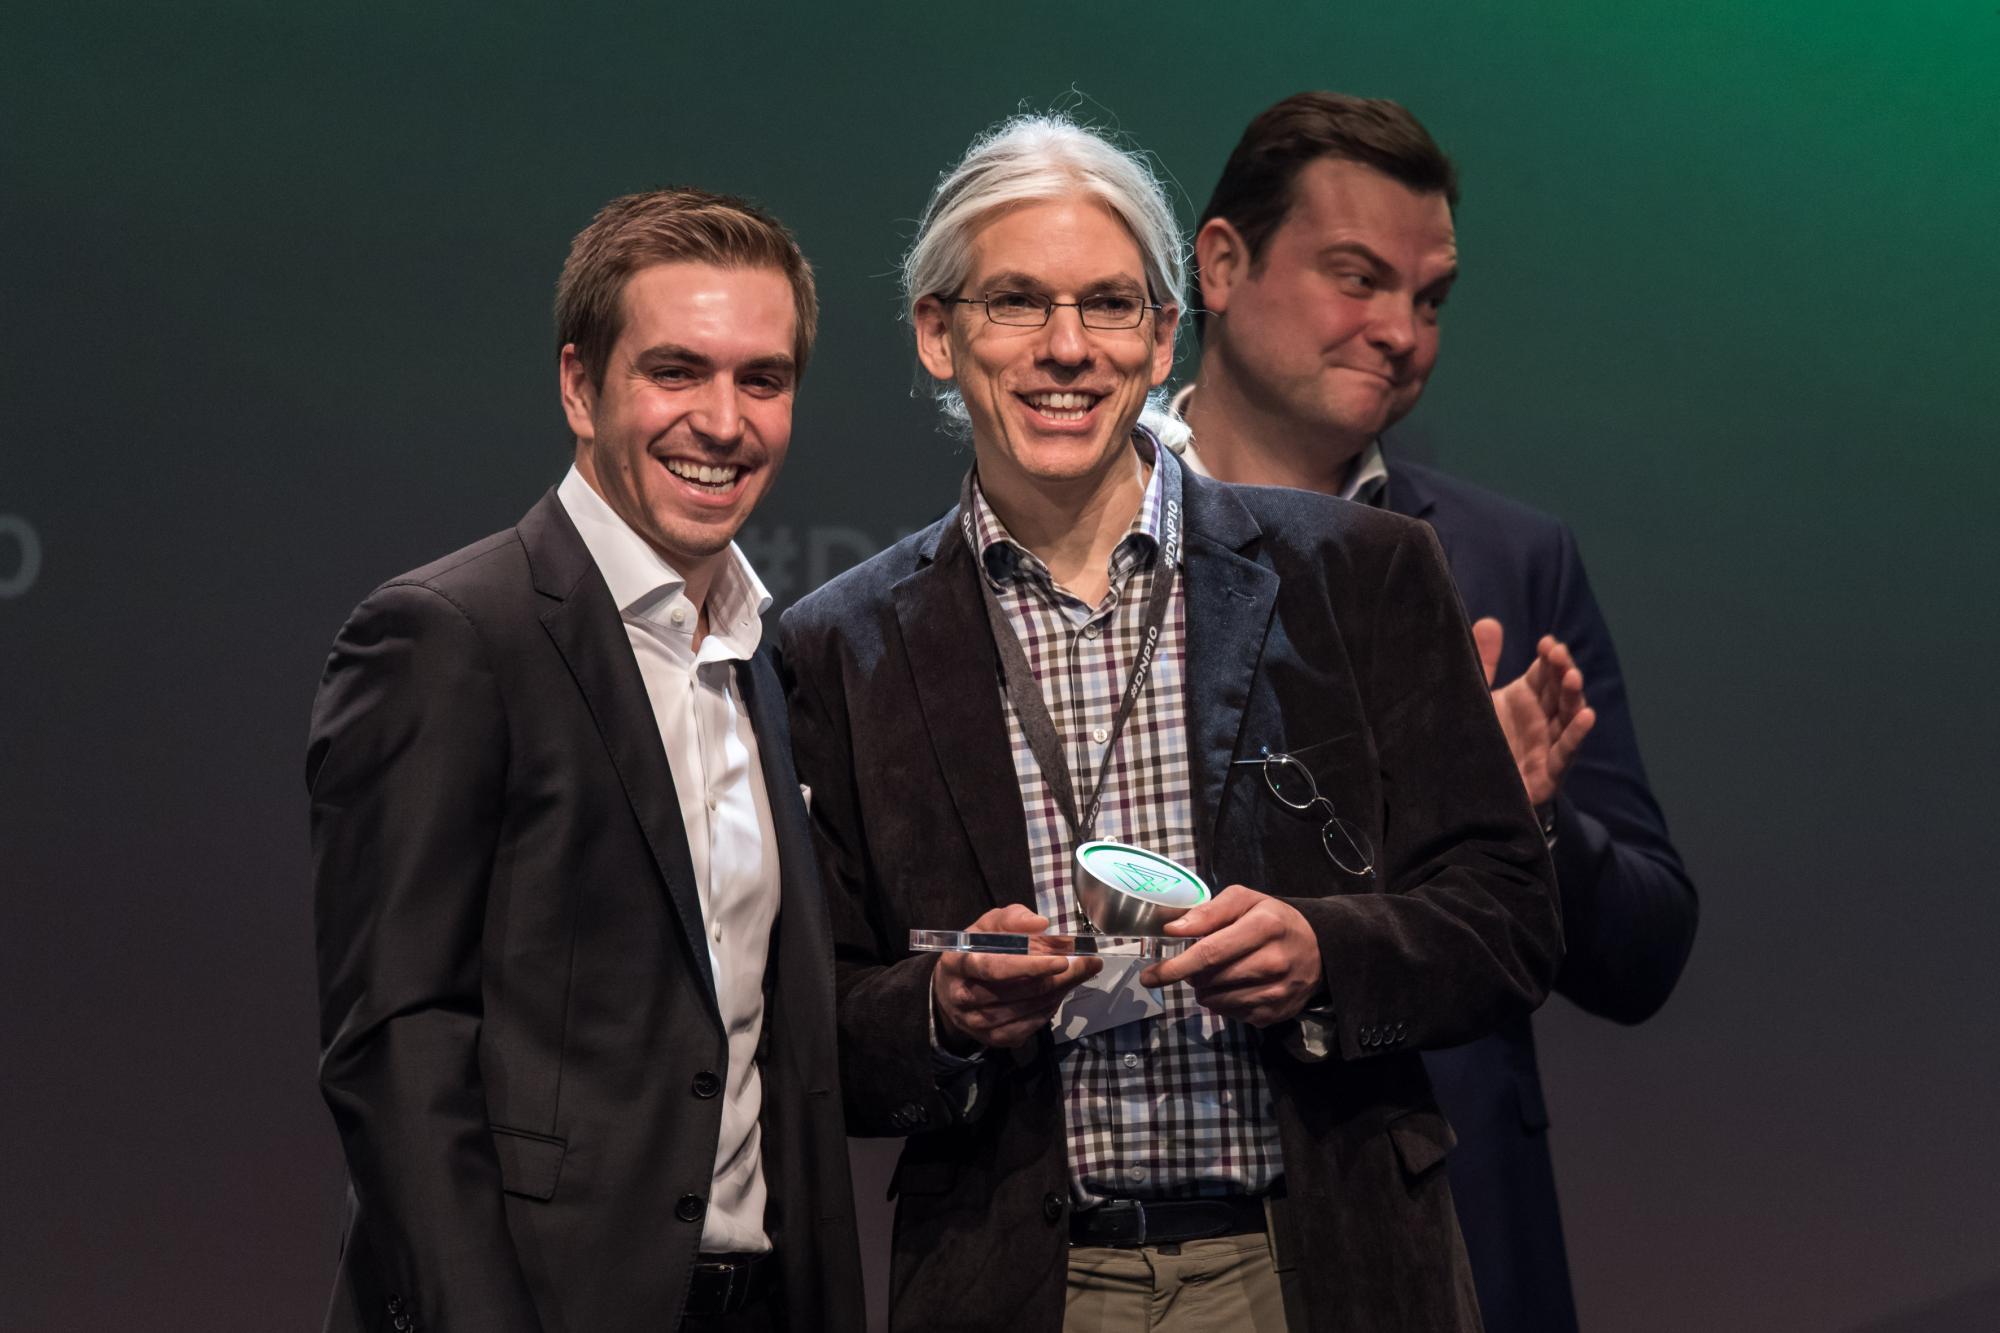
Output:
(1031, 159)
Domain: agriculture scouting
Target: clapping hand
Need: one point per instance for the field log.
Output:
(1542, 712)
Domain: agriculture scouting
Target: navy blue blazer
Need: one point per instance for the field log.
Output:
(1629, 909)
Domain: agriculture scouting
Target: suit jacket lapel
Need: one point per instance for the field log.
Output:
(589, 633)
(802, 929)
(764, 699)
(1410, 495)
(956, 674)
(1229, 600)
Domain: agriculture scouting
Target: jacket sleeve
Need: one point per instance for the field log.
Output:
(891, 1082)
(1464, 931)
(1629, 908)
(406, 766)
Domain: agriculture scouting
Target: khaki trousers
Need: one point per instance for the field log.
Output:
(1199, 1286)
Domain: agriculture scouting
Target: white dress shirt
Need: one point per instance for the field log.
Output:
(725, 809)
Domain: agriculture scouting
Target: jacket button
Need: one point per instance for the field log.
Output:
(395, 1305)
(690, 1207)
(706, 1084)
(1052, 1207)
(402, 1323)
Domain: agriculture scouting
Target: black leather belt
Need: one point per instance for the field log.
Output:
(727, 1283)
(1128, 1223)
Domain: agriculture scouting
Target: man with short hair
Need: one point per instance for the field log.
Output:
(573, 954)
(1269, 688)
(1325, 256)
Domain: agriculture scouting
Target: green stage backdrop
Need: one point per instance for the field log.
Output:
(276, 289)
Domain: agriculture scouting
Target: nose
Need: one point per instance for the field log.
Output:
(1064, 339)
(1393, 326)
(716, 415)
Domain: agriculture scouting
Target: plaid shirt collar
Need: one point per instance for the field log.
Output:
(1003, 560)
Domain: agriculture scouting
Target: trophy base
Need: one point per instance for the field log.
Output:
(1063, 946)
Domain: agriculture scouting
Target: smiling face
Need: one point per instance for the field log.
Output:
(1052, 407)
(1334, 329)
(690, 426)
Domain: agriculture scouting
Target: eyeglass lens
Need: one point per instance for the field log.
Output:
(1348, 846)
(1290, 781)
(1032, 310)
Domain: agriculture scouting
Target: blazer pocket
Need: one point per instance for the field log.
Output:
(1423, 1138)
(529, 1163)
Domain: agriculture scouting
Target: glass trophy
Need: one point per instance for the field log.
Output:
(1128, 893)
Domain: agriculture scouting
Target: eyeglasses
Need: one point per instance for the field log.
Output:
(1292, 783)
(1030, 310)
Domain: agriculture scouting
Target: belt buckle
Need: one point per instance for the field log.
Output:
(1137, 1210)
(727, 1276)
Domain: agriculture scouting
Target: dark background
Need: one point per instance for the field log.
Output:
(276, 290)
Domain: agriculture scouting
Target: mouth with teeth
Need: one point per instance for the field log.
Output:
(717, 479)
(1062, 406)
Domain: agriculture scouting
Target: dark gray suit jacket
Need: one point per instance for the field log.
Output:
(522, 1049)
(1314, 626)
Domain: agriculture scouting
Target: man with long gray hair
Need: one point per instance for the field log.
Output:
(1269, 690)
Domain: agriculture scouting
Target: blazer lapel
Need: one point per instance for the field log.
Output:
(589, 633)
(1410, 495)
(802, 931)
(801, 902)
(958, 690)
(1229, 599)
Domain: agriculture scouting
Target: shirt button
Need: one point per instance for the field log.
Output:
(679, 615)
(1090, 631)
(1131, 1060)
(715, 933)
(1136, 1173)
(711, 803)
(1227, 1097)
(1100, 735)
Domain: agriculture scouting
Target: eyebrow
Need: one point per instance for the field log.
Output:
(1361, 251)
(1015, 281)
(775, 364)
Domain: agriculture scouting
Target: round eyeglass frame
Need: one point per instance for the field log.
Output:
(1342, 839)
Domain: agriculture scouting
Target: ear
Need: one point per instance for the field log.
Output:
(579, 396)
(932, 320)
(1224, 261)
(1166, 320)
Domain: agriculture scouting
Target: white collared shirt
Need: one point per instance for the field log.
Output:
(725, 808)
(1366, 481)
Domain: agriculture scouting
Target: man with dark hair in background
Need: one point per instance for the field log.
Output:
(1267, 686)
(1325, 255)
(575, 991)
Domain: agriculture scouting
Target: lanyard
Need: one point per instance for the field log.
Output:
(1024, 691)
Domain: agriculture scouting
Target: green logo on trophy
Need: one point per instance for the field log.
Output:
(1128, 890)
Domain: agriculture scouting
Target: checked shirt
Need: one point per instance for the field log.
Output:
(1175, 1105)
